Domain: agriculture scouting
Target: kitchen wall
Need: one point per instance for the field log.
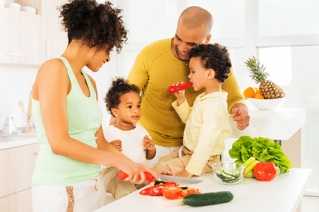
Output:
(15, 85)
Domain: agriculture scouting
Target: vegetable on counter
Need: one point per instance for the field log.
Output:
(249, 165)
(148, 176)
(227, 177)
(170, 190)
(204, 199)
(264, 171)
(262, 149)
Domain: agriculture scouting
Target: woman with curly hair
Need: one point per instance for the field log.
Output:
(66, 114)
(207, 122)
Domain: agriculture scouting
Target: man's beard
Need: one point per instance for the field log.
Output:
(178, 55)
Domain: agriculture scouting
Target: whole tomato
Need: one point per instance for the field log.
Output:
(264, 171)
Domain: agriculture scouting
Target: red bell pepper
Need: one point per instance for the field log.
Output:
(148, 176)
(157, 189)
(152, 191)
(182, 86)
(264, 171)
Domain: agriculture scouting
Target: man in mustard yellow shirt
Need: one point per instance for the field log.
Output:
(163, 63)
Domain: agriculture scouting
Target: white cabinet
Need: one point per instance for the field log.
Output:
(21, 202)
(55, 37)
(4, 204)
(20, 167)
(16, 166)
(4, 177)
(21, 37)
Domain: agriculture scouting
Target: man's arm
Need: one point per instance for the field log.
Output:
(139, 73)
(237, 109)
(232, 88)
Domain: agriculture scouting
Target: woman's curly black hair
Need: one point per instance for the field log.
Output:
(99, 25)
(119, 87)
(214, 56)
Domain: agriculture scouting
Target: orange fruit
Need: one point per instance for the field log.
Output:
(258, 94)
(249, 92)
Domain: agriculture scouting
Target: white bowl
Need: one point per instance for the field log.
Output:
(266, 104)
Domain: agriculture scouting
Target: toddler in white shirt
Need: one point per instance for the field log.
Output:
(123, 102)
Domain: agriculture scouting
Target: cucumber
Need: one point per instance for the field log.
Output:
(228, 177)
(211, 198)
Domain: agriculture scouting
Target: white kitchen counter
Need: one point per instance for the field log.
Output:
(16, 141)
(283, 194)
(279, 124)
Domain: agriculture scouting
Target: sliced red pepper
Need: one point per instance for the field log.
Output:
(148, 176)
(121, 175)
(179, 87)
(264, 171)
(152, 191)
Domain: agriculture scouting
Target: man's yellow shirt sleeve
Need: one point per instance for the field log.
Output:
(232, 88)
(139, 73)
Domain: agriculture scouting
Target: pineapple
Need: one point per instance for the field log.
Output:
(268, 89)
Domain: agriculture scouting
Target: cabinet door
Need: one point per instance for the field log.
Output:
(14, 36)
(21, 164)
(4, 25)
(56, 37)
(31, 42)
(21, 40)
(4, 204)
(20, 202)
(4, 174)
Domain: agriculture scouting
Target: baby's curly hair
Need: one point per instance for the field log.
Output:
(214, 56)
(119, 88)
(99, 25)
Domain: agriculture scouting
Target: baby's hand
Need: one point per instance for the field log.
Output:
(180, 95)
(117, 144)
(148, 143)
(149, 148)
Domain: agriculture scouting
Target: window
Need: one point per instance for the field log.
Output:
(278, 63)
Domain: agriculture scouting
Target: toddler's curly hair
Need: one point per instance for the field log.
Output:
(214, 56)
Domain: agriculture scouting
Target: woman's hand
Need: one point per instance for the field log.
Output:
(134, 171)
